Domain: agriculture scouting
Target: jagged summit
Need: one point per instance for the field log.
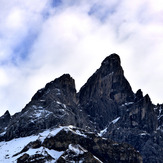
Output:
(112, 62)
(65, 82)
(105, 90)
(108, 81)
(7, 113)
(4, 120)
(138, 95)
(110, 65)
(105, 105)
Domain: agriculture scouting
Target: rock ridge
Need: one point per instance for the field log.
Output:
(105, 105)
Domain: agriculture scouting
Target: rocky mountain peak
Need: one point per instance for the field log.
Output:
(111, 65)
(64, 82)
(139, 95)
(147, 99)
(105, 105)
(109, 82)
(109, 87)
(67, 84)
(7, 114)
(112, 62)
(4, 120)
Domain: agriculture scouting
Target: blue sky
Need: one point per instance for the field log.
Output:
(41, 40)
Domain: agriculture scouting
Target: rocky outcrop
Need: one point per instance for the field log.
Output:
(122, 115)
(80, 146)
(52, 106)
(159, 112)
(138, 126)
(105, 91)
(109, 82)
(4, 121)
(63, 89)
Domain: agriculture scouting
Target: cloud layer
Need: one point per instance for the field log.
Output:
(41, 40)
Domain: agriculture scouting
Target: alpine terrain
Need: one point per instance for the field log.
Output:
(104, 122)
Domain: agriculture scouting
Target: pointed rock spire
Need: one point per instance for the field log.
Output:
(105, 90)
(111, 62)
(7, 114)
(5, 119)
(108, 81)
(138, 95)
(64, 82)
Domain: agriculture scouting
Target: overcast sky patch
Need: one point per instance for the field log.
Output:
(41, 40)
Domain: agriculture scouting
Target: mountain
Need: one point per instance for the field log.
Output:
(106, 114)
(105, 91)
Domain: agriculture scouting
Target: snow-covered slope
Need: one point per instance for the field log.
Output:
(66, 144)
(9, 148)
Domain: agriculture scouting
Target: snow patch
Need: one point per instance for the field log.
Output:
(77, 149)
(81, 134)
(3, 133)
(42, 100)
(115, 120)
(143, 134)
(58, 91)
(58, 102)
(9, 148)
(127, 103)
(77, 132)
(41, 113)
(97, 159)
(102, 132)
(160, 115)
(63, 105)
(54, 154)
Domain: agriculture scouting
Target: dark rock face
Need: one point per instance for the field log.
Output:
(4, 121)
(159, 112)
(105, 105)
(54, 105)
(139, 127)
(108, 98)
(109, 82)
(104, 91)
(65, 86)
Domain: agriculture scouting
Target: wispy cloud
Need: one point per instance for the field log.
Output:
(41, 40)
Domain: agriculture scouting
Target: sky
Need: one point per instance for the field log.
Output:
(42, 39)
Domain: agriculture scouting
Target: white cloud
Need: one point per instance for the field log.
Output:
(74, 38)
